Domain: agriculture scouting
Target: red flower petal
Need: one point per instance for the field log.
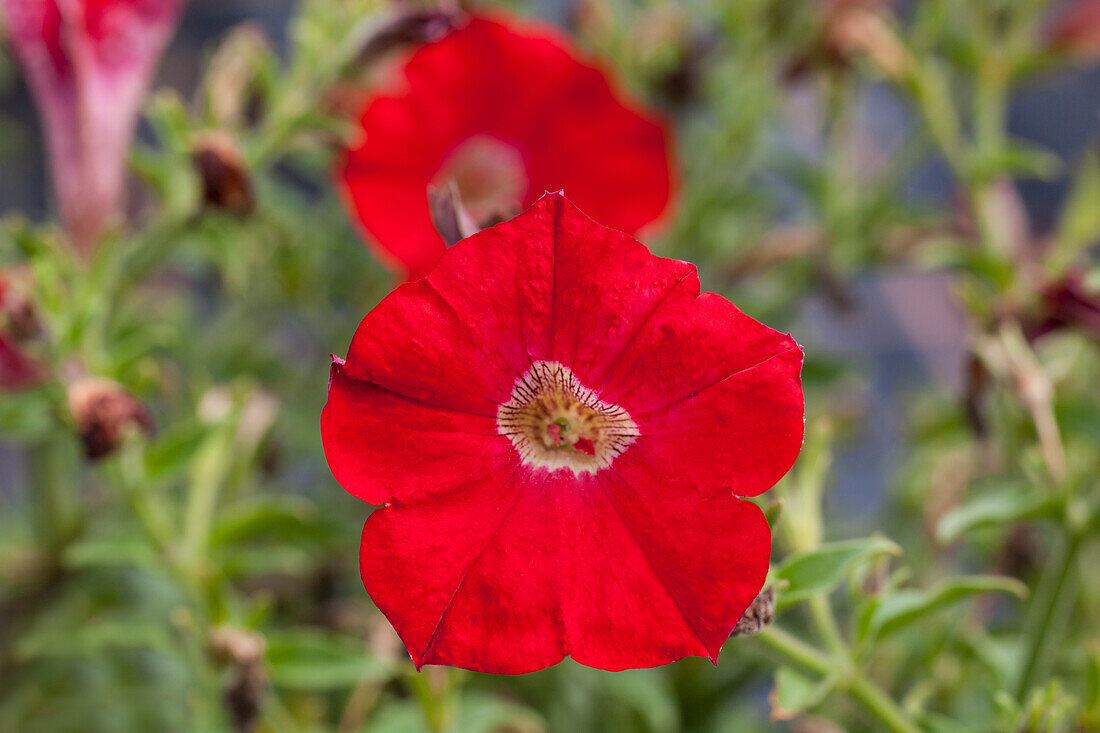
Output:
(514, 572)
(598, 520)
(565, 124)
(372, 436)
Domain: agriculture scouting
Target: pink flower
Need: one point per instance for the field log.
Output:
(559, 428)
(88, 63)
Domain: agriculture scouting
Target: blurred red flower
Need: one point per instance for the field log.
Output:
(88, 63)
(505, 111)
(1075, 30)
(559, 427)
(17, 370)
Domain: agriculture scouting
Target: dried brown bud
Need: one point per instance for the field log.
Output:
(1021, 553)
(243, 650)
(226, 184)
(244, 697)
(847, 28)
(404, 28)
(230, 83)
(862, 27)
(18, 317)
(758, 615)
(229, 645)
(449, 216)
(102, 412)
(1067, 303)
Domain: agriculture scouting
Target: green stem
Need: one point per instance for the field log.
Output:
(825, 621)
(50, 496)
(1054, 598)
(436, 703)
(209, 470)
(862, 689)
(880, 704)
(795, 650)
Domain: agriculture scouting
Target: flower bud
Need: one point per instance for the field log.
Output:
(102, 413)
(226, 184)
(18, 322)
(242, 650)
(1067, 303)
(405, 28)
(758, 615)
(230, 83)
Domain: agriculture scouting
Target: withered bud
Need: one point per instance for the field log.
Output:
(230, 645)
(449, 216)
(862, 27)
(244, 697)
(758, 615)
(676, 48)
(243, 650)
(405, 27)
(103, 412)
(1021, 552)
(847, 28)
(226, 183)
(1067, 303)
(874, 582)
(230, 80)
(18, 317)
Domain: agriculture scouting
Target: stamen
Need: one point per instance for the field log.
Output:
(555, 422)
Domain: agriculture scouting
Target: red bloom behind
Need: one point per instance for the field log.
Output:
(506, 111)
(1075, 30)
(88, 63)
(559, 427)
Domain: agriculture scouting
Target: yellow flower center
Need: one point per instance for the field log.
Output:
(555, 422)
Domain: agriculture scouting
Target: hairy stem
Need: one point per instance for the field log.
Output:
(870, 695)
(1053, 600)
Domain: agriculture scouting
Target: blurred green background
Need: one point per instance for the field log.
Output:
(912, 189)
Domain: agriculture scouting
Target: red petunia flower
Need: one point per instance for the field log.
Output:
(88, 63)
(505, 111)
(559, 427)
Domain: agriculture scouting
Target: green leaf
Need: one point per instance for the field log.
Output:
(820, 570)
(1079, 225)
(649, 695)
(795, 694)
(283, 517)
(119, 631)
(1020, 160)
(904, 607)
(173, 450)
(307, 659)
(120, 550)
(993, 510)
(482, 713)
